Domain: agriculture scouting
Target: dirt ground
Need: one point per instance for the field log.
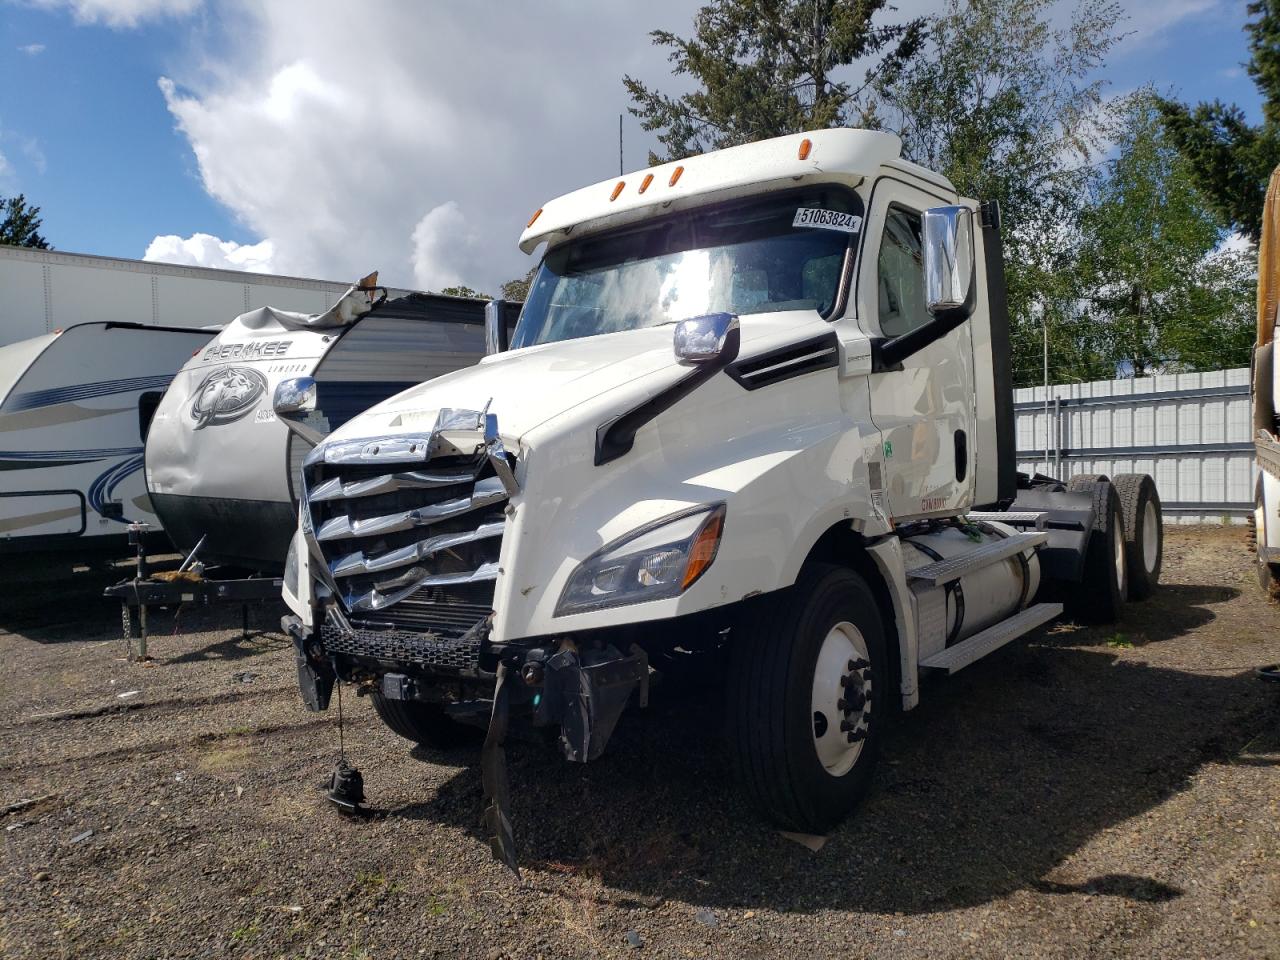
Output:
(1083, 793)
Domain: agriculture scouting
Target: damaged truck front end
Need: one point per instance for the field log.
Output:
(392, 578)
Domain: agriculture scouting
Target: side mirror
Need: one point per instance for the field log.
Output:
(949, 289)
(948, 261)
(293, 400)
(495, 327)
(713, 338)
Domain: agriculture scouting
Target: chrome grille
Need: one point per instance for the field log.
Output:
(411, 542)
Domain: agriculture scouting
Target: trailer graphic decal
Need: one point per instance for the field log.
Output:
(226, 395)
(39, 459)
(104, 486)
(85, 391)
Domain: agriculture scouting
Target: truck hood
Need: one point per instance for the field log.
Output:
(527, 387)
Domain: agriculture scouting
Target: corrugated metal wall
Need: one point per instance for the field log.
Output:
(1191, 431)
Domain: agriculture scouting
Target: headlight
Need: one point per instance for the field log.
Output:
(661, 559)
(291, 568)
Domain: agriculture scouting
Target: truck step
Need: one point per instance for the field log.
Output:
(1015, 518)
(992, 638)
(944, 571)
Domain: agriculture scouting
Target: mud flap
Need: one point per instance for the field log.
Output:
(493, 773)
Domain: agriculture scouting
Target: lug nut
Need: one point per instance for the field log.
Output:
(858, 664)
(857, 736)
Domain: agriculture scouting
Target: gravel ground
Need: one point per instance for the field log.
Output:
(1083, 793)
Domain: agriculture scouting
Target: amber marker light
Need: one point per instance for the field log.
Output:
(617, 190)
(704, 548)
(805, 146)
(675, 175)
(536, 214)
(644, 185)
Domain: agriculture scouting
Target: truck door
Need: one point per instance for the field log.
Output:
(925, 409)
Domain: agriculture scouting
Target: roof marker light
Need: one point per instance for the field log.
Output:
(617, 190)
(648, 179)
(805, 146)
(675, 175)
(536, 214)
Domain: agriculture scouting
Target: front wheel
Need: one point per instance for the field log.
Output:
(808, 693)
(423, 723)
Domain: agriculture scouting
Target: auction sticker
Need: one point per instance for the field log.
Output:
(827, 220)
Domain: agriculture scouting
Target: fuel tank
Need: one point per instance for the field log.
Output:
(983, 596)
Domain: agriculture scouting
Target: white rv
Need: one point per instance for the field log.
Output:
(222, 470)
(74, 406)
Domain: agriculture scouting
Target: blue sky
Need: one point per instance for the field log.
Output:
(87, 132)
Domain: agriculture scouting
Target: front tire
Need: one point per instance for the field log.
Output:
(808, 693)
(424, 723)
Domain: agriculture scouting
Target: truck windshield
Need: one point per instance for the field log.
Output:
(744, 256)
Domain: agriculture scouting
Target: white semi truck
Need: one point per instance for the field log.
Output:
(756, 412)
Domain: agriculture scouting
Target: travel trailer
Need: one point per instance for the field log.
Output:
(74, 411)
(221, 468)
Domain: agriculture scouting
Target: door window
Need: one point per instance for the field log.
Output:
(901, 274)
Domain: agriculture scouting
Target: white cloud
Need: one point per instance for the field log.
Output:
(419, 143)
(32, 49)
(203, 250)
(444, 248)
(417, 139)
(120, 13)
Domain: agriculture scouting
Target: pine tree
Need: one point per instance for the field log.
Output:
(21, 224)
(764, 68)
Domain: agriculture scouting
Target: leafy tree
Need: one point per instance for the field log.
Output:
(1160, 292)
(464, 291)
(1009, 107)
(519, 289)
(20, 224)
(1230, 159)
(763, 68)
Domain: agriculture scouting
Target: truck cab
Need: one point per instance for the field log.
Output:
(757, 410)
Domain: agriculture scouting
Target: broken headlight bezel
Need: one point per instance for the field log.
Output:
(658, 561)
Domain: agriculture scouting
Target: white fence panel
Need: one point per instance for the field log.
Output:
(1190, 431)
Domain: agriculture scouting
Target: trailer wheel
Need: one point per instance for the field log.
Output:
(423, 723)
(1143, 532)
(1100, 595)
(807, 696)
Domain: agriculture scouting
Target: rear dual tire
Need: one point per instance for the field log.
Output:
(808, 690)
(1101, 593)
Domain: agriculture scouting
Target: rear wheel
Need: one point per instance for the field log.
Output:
(1143, 532)
(808, 693)
(1100, 595)
(423, 723)
(1085, 481)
